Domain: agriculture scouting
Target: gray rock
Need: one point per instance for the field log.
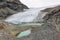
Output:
(53, 15)
(45, 32)
(9, 7)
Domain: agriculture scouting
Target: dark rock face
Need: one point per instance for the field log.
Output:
(53, 15)
(47, 10)
(9, 7)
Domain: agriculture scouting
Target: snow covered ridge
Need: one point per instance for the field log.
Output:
(30, 15)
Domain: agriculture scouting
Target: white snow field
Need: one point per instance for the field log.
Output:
(30, 15)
